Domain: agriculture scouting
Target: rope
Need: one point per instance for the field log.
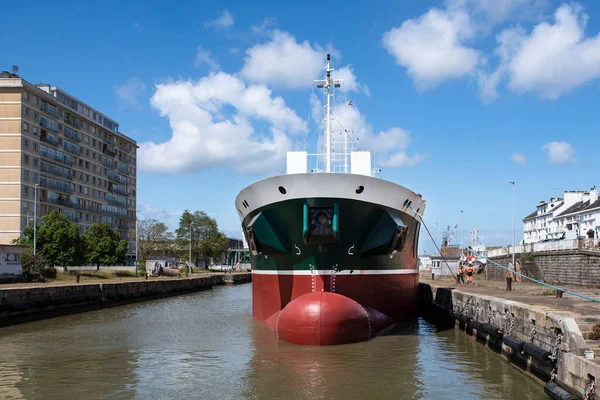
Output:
(439, 251)
(582, 296)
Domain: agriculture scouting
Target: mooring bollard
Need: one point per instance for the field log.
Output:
(508, 284)
(77, 277)
(559, 294)
(146, 276)
(432, 276)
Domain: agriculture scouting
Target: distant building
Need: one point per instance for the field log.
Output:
(575, 215)
(68, 156)
(446, 266)
(10, 261)
(424, 262)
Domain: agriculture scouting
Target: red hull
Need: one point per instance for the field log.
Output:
(348, 308)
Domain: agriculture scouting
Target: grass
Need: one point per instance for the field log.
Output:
(595, 335)
(549, 292)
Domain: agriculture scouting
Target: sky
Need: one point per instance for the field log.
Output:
(455, 98)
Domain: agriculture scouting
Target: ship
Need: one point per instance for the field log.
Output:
(333, 254)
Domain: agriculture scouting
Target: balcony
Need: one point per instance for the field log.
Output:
(122, 168)
(113, 176)
(51, 169)
(119, 190)
(108, 162)
(47, 108)
(44, 123)
(71, 135)
(110, 140)
(73, 149)
(72, 218)
(56, 157)
(117, 202)
(109, 151)
(49, 140)
(59, 186)
(58, 201)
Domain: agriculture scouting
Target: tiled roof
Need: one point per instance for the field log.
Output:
(533, 214)
(579, 206)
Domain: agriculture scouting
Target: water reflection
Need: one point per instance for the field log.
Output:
(207, 346)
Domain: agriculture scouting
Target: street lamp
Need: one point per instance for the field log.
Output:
(137, 233)
(513, 199)
(35, 232)
(191, 225)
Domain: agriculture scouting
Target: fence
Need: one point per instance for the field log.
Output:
(565, 244)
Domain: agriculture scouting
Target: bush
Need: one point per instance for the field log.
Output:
(49, 272)
(595, 335)
(124, 274)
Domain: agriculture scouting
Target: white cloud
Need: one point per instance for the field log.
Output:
(556, 58)
(432, 47)
(285, 63)
(389, 146)
(351, 84)
(204, 57)
(129, 92)
(154, 212)
(518, 158)
(559, 152)
(491, 12)
(224, 21)
(213, 125)
(263, 28)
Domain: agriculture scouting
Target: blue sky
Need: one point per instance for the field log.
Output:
(457, 97)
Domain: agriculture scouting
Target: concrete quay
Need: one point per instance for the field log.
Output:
(530, 314)
(41, 301)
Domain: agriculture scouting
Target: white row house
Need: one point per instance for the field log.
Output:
(575, 215)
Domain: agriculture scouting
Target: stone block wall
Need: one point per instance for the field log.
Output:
(573, 267)
(20, 304)
(573, 369)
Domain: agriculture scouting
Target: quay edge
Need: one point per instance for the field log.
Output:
(26, 304)
(574, 371)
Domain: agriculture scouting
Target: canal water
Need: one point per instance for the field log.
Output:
(207, 346)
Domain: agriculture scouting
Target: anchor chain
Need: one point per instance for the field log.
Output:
(590, 390)
(557, 343)
(532, 333)
(553, 375)
(512, 324)
(334, 270)
(505, 319)
(312, 278)
(489, 317)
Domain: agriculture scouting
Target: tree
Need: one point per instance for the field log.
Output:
(104, 246)
(207, 240)
(58, 240)
(154, 238)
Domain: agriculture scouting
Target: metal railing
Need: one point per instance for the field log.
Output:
(56, 157)
(50, 140)
(556, 245)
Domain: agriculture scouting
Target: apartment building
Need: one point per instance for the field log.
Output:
(576, 214)
(66, 155)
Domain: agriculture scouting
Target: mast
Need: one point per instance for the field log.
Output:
(326, 84)
(346, 151)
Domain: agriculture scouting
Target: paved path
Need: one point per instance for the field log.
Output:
(529, 293)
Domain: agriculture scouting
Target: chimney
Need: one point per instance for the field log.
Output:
(593, 194)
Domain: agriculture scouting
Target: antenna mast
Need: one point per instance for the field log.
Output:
(327, 83)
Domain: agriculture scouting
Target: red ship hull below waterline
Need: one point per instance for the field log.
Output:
(322, 309)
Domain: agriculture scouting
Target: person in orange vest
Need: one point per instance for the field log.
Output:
(470, 270)
(460, 276)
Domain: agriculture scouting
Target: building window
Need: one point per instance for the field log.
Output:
(25, 174)
(25, 126)
(35, 161)
(25, 158)
(34, 99)
(25, 96)
(25, 111)
(25, 190)
(25, 142)
(34, 130)
(25, 206)
(34, 145)
(35, 115)
(35, 177)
